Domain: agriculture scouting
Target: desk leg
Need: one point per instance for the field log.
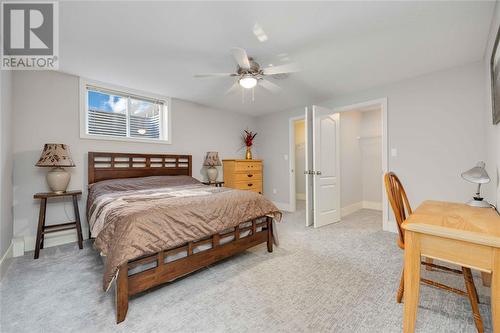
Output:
(495, 291)
(411, 280)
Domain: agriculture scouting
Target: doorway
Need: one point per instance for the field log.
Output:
(297, 151)
(370, 142)
(373, 143)
(361, 159)
(300, 163)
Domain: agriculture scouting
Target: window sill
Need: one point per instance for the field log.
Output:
(112, 138)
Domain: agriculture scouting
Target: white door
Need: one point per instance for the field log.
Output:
(326, 166)
(308, 167)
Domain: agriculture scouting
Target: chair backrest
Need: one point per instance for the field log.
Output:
(399, 202)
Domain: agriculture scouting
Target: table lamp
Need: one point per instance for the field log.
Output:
(57, 156)
(479, 176)
(211, 161)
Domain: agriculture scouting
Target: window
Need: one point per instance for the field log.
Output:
(118, 114)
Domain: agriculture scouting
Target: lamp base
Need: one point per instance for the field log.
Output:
(212, 174)
(479, 202)
(58, 180)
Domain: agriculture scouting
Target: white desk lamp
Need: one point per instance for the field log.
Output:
(479, 176)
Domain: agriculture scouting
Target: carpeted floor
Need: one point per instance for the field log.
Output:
(339, 278)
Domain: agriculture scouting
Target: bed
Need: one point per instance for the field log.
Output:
(154, 223)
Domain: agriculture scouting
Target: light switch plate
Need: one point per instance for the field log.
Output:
(394, 152)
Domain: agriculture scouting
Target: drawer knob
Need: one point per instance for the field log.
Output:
(250, 175)
(250, 184)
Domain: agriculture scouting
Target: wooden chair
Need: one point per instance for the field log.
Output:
(401, 208)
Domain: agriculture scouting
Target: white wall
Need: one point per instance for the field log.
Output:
(6, 221)
(371, 156)
(351, 190)
(435, 121)
(273, 148)
(492, 190)
(300, 158)
(46, 108)
(360, 160)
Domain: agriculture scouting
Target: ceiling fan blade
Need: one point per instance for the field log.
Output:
(270, 86)
(215, 75)
(282, 69)
(241, 57)
(234, 88)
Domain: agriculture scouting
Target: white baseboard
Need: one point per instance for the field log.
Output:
(5, 261)
(18, 247)
(283, 206)
(360, 205)
(300, 196)
(351, 208)
(372, 205)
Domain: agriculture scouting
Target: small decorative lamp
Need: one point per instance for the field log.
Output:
(477, 175)
(57, 156)
(211, 161)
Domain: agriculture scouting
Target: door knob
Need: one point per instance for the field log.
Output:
(318, 173)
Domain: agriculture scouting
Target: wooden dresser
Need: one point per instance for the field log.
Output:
(243, 174)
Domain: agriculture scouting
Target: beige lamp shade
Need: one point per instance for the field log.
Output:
(212, 159)
(55, 155)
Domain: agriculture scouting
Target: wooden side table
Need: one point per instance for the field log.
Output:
(216, 183)
(43, 229)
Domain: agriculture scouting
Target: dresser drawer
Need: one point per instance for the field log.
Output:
(249, 185)
(248, 176)
(247, 166)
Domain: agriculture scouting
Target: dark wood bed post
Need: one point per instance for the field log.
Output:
(269, 234)
(122, 293)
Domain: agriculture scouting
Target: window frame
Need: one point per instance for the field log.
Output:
(165, 115)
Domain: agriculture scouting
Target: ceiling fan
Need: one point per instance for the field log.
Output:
(250, 74)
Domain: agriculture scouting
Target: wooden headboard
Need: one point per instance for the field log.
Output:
(104, 166)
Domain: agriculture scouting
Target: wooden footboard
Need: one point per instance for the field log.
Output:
(164, 272)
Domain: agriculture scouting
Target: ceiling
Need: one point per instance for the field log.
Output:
(341, 46)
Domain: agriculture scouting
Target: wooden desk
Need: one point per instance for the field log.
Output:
(455, 233)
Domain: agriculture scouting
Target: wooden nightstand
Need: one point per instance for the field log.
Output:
(43, 229)
(216, 183)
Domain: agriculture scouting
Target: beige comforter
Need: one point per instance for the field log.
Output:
(134, 217)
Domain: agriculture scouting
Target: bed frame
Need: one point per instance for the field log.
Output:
(102, 166)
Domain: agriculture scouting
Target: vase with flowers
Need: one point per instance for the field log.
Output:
(248, 137)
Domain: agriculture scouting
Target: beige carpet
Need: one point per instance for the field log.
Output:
(339, 278)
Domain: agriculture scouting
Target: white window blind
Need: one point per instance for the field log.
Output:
(118, 114)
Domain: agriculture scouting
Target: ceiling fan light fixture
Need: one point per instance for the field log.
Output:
(248, 82)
